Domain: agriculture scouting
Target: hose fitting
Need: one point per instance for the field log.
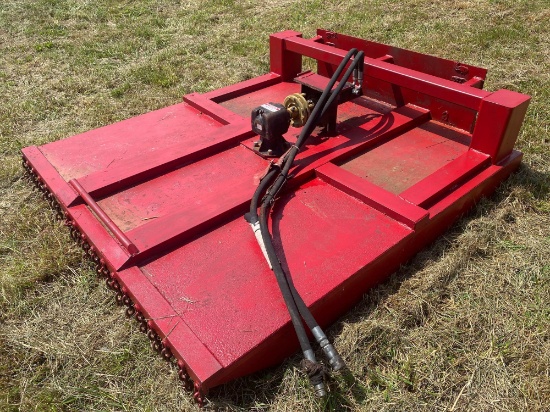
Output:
(334, 359)
(316, 374)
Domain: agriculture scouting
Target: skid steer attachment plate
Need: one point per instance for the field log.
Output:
(158, 200)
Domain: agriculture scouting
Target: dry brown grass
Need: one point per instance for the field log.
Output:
(464, 326)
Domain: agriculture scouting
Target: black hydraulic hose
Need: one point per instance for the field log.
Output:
(281, 280)
(297, 308)
(312, 121)
(293, 310)
(319, 109)
(315, 378)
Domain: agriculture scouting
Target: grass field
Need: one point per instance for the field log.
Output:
(463, 327)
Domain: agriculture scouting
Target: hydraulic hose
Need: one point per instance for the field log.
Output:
(320, 109)
(287, 295)
(312, 121)
(358, 61)
(295, 316)
(297, 308)
(288, 289)
(334, 359)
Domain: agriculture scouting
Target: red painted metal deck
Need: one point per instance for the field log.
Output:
(158, 199)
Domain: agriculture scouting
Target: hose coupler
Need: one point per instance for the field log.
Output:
(334, 359)
(315, 373)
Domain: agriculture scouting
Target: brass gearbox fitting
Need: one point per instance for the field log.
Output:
(299, 109)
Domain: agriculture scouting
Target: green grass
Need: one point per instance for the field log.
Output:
(463, 326)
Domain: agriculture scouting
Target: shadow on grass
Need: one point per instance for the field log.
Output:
(534, 182)
(258, 391)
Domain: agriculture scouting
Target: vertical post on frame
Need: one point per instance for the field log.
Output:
(498, 123)
(286, 63)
